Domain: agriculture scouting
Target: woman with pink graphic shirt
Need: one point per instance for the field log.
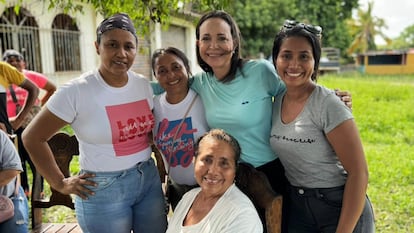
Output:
(110, 110)
(179, 121)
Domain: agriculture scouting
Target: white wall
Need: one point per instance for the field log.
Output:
(86, 23)
(190, 41)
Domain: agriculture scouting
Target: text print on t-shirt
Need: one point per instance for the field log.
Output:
(296, 140)
(181, 150)
(130, 125)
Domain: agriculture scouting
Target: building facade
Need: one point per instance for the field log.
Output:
(61, 46)
(386, 62)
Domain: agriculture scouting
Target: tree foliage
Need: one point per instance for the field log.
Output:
(142, 12)
(331, 15)
(364, 29)
(260, 20)
(405, 40)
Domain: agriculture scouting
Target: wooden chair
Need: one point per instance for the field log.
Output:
(64, 147)
(256, 186)
(273, 215)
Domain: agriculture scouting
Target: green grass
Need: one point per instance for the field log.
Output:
(383, 107)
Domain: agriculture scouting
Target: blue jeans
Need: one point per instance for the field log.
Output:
(318, 210)
(20, 221)
(124, 200)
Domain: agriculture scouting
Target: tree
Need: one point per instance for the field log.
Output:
(259, 20)
(259, 23)
(405, 40)
(142, 12)
(364, 29)
(331, 15)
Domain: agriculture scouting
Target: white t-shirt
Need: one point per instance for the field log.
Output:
(167, 119)
(232, 213)
(111, 124)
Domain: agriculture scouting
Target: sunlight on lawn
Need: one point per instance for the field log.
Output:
(383, 108)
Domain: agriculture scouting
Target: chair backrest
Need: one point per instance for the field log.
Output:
(268, 203)
(64, 147)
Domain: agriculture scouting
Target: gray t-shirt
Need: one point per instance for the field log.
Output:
(9, 160)
(307, 156)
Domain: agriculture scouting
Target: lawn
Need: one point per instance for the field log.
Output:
(383, 107)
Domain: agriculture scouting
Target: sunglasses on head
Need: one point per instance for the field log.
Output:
(314, 29)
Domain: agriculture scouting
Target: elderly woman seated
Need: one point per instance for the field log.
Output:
(217, 205)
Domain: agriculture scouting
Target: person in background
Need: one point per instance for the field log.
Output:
(16, 97)
(109, 109)
(317, 141)
(217, 205)
(10, 75)
(10, 167)
(179, 120)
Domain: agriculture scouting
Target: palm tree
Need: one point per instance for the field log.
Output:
(364, 29)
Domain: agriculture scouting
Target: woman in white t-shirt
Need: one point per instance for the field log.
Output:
(217, 205)
(179, 121)
(110, 111)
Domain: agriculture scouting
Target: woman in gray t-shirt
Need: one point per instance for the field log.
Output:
(317, 141)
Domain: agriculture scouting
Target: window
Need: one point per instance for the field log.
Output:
(386, 59)
(20, 32)
(66, 47)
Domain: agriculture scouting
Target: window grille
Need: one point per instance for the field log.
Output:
(20, 32)
(66, 45)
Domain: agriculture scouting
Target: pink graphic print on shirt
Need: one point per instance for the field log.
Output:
(181, 150)
(130, 124)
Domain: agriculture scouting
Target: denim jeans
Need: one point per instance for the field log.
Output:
(318, 210)
(124, 201)
(20, 221)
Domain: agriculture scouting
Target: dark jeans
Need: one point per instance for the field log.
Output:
(318, 210)
(275, 173)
